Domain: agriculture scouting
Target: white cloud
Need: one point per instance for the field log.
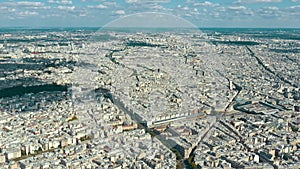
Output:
(3, 7)
(132, 1)
(206, 3)
(120, 12)
(67, 8)
(63, 2)
(273, 8)
(295, 7)
(28, 3)
(157, 7)
(107, 3)
(238, 11)
(100, 6)
(237, 8)
(25, 4)
(268, 0)
(27, 13)
(147, 1)
(152, 20)
(221, 9)
(270, 12)
(11, 10)
(186, 8)
(293, 10)
(258, 1)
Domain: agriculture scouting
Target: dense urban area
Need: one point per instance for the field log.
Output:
(216, 98)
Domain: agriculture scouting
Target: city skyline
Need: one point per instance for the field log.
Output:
(137, 84)
(97, 13)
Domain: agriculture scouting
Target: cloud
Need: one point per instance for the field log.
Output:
(63, 2)
(27, 13)
(25, 4)
(245, 11)
(270, 12)
(157, 7)
(237, 8)
(147, 1)
(28, 3)
(272, 8)
(294, 10)
(258, 1)
(295, 7)
(152, 20)
(186, 8)
(268, 0)
(238, 11)
(206, 4)
(67, 8)
(120, 12)
(100, 6)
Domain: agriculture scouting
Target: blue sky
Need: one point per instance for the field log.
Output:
(96, 13)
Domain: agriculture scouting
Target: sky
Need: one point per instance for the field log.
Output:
(97, 13)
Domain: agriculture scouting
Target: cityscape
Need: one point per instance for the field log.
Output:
(216, 98)
(149, 84)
